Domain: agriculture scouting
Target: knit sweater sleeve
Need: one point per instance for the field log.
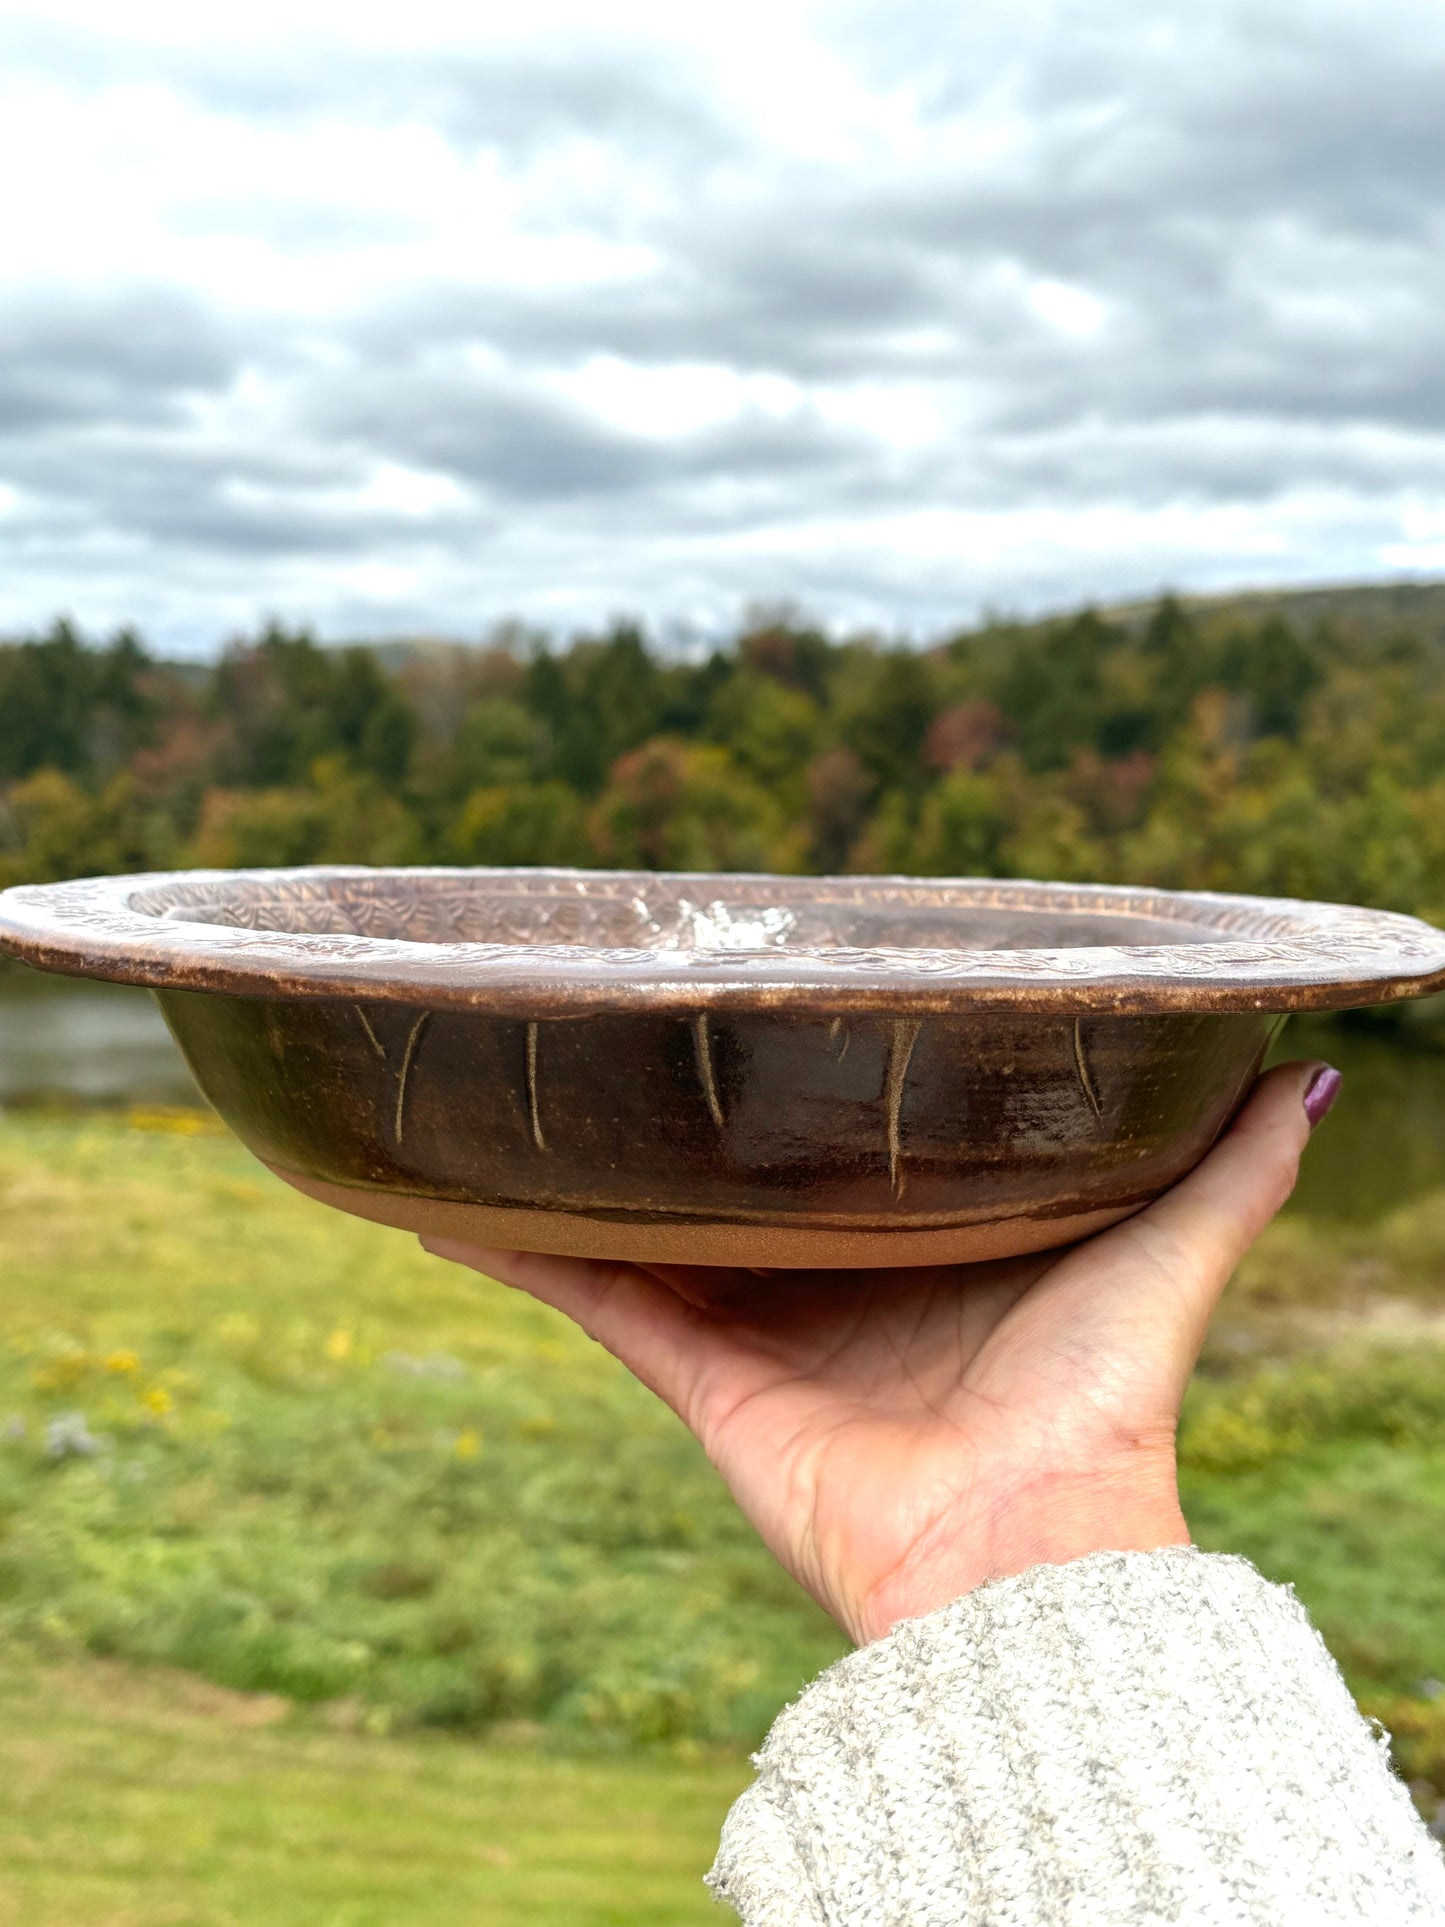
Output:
(1130, 1740)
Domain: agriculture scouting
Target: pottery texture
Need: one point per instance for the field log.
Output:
(731, 1070)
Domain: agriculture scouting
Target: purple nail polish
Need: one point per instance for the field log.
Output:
(1321, 1092)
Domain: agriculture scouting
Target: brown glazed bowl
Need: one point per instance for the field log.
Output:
(754, 1070)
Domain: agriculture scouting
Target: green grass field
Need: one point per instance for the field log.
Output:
(136, 1799)
(340, 1586)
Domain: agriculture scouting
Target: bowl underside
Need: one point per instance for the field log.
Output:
(780, 1247)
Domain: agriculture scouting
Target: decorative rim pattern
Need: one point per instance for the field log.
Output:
(1242, 953)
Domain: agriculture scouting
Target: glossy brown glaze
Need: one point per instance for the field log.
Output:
(755, 1071)
(626, 1134)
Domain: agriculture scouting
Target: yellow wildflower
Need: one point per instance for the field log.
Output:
(122, 1364)
(183, 1120)
(468, 1445)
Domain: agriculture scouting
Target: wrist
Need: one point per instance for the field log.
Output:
(1050, 1522)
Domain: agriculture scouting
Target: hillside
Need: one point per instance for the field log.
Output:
(1365, 609)
(1290, 745)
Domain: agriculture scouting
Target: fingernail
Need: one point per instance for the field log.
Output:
(1321, 1092)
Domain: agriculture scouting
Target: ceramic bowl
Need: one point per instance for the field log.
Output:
(767, 1071)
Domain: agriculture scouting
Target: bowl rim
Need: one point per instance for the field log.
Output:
(1262, 953)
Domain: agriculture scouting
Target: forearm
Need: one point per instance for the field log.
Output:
(1128, 1740)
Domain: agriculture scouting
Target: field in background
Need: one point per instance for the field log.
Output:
(294, 1453)
(150, 1800)
(308, 1541)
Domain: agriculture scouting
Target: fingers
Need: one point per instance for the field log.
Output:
(654, 1332)
(1198, 1232)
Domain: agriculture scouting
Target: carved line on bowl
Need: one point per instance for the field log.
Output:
(534, 1107)
(408, 1065)
(372, 1038)
(1086, 1077)
(903, 1043)
(900, 1055)
(404, 1070)
(706, 1070)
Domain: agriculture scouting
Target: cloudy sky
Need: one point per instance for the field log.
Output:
(404, 318)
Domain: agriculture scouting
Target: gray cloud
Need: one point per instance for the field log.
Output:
(524, 99)
(104, 354)
(1165, 267)
(511, 438)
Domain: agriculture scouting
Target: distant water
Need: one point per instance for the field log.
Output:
(1384, 1143)
(91, 1042)
(1382, 1146)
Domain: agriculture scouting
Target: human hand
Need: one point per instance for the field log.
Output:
(899, 1436)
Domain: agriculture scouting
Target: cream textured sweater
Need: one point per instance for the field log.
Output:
(1134, 1739)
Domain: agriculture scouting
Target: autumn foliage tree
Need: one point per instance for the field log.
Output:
(1181, 745)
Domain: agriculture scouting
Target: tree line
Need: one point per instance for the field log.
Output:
(1180, 746)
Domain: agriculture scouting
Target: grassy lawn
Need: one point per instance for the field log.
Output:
(338, 1585)
(142, 1800)
(332, 1467)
